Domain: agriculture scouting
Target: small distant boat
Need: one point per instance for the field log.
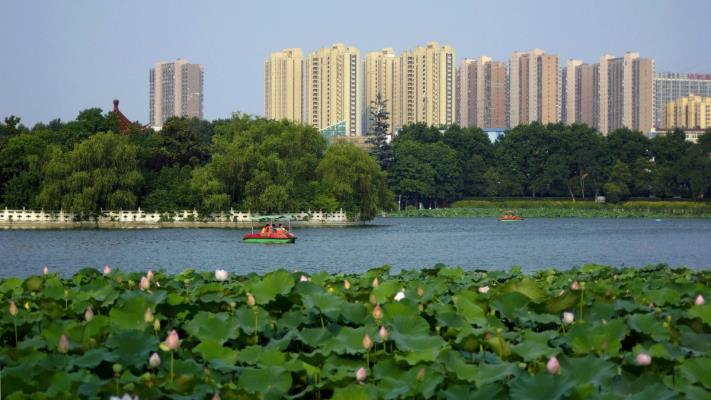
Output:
(510, 216)
(271, 232)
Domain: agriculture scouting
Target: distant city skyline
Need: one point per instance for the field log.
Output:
(82, 54)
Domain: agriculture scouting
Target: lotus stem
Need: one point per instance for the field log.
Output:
(582, 296)
(323, 326)
(14, 322)
(171, 366)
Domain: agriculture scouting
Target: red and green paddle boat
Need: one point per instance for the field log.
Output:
(510, 216)
(271, 232)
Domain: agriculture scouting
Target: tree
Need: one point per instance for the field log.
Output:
(617, 187)
(379, 136)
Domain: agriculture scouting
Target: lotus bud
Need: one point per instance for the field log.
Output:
(367, 343)
(154, 360)
(250, 300)
(421, 374)
(45, 270)
(63, 344)
(643, 359)
(145, 283)
(216, 396)
(13, 308)
(346, 284)
(27, 305)
(699, 301)
(377, 313)
(420, 291)
(383, 333)
(107, 269)
(88, 314)
(376, 282)
(172, 342)
(562, 292)
(361, 374)
(568, 317)
(221, 275)
(156, 325)
(483, 289)
(149, 275)
(575, 286)
(553, 366)
(303, 278)
(148, 315)
(400, 295)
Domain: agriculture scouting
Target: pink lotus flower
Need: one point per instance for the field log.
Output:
(400, 295)
(148, 315)
(699, 301)
(154, 360)
(216, 396)
(145, 283)
(367, 343)
(377, 312)
(250, 300)
(553, 366)
(107, 269)
(172, 342)
(643, 359)
(361, 374)
(376, 282)
(149, 275)
(346, 284)
(13, 308)
(88, 314)
(221, 275)
(383, 333)
(303, 278)
(45, 270)
(63, 344)
(484, 289)
(568, 317)
(575, 286)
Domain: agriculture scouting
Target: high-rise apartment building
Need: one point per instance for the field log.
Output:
(176, 90)
(283, 85)
(579, 95)
(626, 93)
(533, 90)
(688, 112)
(381, 77)
(482, 93)
(427, 86)
(671, 86)
(333, 80)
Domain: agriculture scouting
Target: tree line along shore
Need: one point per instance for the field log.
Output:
(83, 166)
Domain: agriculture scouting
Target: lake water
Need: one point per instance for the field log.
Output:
(400, 242)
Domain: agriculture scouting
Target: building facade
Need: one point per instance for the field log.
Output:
(333, 85)
(671, 86)
(482, 93)
(533, 87)
(176, 90)
(284, 85)
(579, 94)
(689, 112)
(381, 73)
(626, 93)
(427, 86)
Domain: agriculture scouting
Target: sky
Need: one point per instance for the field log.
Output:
(60, 57)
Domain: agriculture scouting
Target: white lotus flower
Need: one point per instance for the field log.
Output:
(400, 295)
(221, 275)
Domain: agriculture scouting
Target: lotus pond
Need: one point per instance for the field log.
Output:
(590, 332)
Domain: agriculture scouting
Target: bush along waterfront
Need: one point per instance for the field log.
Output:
(591, 332)
(565, 208)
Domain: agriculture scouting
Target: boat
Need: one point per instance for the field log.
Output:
(510, 216)
(270, 232)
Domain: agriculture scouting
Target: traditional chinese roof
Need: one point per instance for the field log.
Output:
(124, 123)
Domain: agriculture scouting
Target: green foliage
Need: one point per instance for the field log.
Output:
(305, 339)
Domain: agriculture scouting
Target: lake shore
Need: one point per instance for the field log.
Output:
(163, 225)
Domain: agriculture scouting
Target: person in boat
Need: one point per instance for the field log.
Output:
(267, 229)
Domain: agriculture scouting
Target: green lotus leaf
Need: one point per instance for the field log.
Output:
(313, 297)
(315, 337)
(586, 338)
(272, 383)
(129, 315)
(702, 312)
(132, 348)
(94, 357)
(386, 290)
(534, 346)
(347, 341)
(219, 327)
(542, 386)
(661, 296)
(53, 289)
(355, 313)
(455, 363)
(500, 346)
(252, 320)
(527, 287)
(212, 350)
(490, 373)
(354, 392)
(63, 382)
(696, 370)
(11, 285)
(90, 385)
(469, 392)
(649, 325)
(698, 342)
(338, 368)
(393, 310)
(466, 308)
(508, 304)
(411, 333)
(292, 319)
(271, 285)
(175, 299)
(589, 370)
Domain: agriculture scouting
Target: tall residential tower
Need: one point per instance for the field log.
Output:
(482, 93)
(381, 77)
(579, 98)
(626, 93)
(671, 86)
(533, 91)
(176, 90)
(283, 85)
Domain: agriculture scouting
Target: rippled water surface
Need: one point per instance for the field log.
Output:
(402, 243)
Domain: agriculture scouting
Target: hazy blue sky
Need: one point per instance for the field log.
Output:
(59, 57)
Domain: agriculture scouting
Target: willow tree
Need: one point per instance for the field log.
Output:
(100, 172)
